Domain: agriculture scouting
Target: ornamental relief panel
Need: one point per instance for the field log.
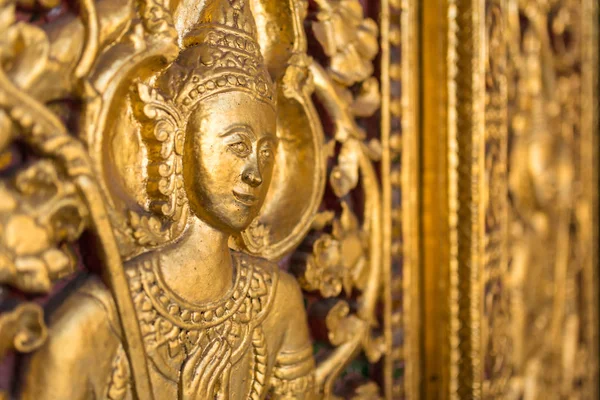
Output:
(298, 199)
(537, 287)
(191, 190)
(510, 239)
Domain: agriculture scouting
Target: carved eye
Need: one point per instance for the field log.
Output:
(240, 148)
(266, 153)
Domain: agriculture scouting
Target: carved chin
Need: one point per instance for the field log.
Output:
(229, 215)
(237, 223)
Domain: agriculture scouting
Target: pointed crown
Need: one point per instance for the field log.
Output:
(221, 54)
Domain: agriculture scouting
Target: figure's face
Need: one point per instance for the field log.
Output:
(228, 159)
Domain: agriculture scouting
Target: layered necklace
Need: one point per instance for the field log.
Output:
(173, 328)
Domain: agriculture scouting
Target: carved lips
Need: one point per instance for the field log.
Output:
(246, 199)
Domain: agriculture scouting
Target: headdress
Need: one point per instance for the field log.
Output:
(221, 54)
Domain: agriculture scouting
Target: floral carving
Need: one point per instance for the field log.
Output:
(157, 19)
(338, 259)
(341, 327)
(132, 42)
(147, 231)
(257, 236)
(344, 328)
(368, 391)
(368, 99)
(22, 329)
(344, 176)
(347, 258)
(349, 39)
(37, 212)
(297, 80)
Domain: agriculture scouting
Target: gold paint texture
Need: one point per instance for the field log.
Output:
(519, 295)
(422, 184)
(183, 139)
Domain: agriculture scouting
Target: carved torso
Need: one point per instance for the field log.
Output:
(246, 318)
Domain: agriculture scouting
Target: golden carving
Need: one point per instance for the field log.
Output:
(338, 260)
(183, 139)
(192, 181)
(23, 329)
(207, 170)
(400, 165)
(39, 209)
(515, 267)
(542, 266)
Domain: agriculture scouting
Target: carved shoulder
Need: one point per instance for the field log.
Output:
(288, 295)
(293, 375)
(290, 312)
(65, 368)
(284, 301)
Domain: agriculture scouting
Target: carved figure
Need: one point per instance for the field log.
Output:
(543, 185)
(213, 322)
(182, 138)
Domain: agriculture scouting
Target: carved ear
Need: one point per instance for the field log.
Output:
(156, 107)
(164, 137)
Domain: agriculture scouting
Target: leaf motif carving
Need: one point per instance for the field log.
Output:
(340, 324)
(167, 135)
(147, 230)
(344, 176)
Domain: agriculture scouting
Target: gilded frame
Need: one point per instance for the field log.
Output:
(400, 173)
(465, 148)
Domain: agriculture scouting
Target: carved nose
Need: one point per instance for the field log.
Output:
(251, 176)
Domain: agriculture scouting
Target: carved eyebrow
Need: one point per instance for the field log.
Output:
(269, 137)
(232, 130)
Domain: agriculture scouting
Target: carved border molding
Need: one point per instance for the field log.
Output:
(590, 164)
(470, 115)
(399, 170)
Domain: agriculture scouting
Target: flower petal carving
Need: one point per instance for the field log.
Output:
(344, 176)
(338, 260)
(349, 39)
(341, 325)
